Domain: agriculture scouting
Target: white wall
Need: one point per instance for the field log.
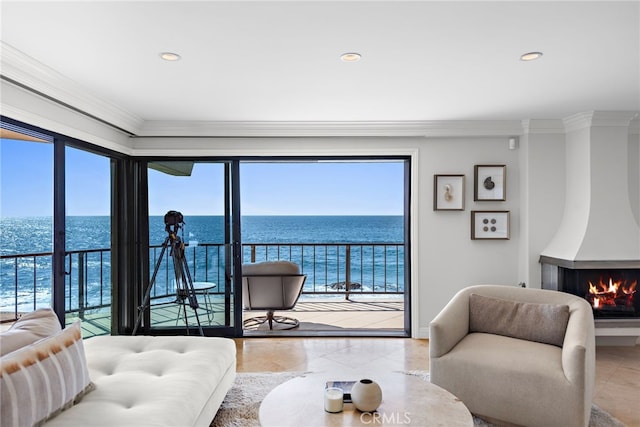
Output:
(542, 165)
(634, 174)
(448, 259)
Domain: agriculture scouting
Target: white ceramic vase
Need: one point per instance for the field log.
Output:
(366, 395)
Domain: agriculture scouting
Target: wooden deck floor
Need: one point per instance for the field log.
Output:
(317, 315)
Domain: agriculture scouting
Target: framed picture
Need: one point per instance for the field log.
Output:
(448, 192)
(490, 183)
(490, 225)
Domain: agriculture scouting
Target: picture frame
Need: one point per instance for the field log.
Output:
(490, 183)
(490, 225)
(448, 192)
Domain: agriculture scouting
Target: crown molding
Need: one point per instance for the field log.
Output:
(25, 71)
(269, 147)
(329, 128)
(599, 119)
(546, 126)
(28, 107)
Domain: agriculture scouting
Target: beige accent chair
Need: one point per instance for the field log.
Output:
(271, 285)
(507, 354)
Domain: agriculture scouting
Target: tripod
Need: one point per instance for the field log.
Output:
(184, 283)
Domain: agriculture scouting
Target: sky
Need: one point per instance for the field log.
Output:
(310, 188)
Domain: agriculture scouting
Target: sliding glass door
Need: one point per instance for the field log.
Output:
(190, 247)
(88, 283)
(344, 223)
(26, 222)
(56, 219)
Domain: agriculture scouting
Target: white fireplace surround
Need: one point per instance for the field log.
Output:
(598, 223)
(598, 228)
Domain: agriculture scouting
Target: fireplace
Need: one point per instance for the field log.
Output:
(611, 288)
(595, 252)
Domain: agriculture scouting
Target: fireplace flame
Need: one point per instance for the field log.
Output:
(631, 289)
(614, 293)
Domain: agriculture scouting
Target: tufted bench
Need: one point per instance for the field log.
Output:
(153, 381)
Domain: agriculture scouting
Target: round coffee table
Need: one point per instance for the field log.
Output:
(406, 400)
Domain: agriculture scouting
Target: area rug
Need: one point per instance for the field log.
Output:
(241, 406)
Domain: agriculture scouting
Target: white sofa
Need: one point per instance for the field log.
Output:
(141, 381)
(517, 355)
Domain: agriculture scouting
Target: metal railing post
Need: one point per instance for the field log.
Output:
(195, 273)
(15, 280)
(253, 253)
(35, 280)
(347, 272)
(81, 283)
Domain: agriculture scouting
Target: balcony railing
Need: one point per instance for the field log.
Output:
(332, 269)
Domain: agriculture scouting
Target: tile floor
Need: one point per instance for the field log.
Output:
(617, 370)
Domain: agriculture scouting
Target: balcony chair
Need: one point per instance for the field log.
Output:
(516, 355)
(271, 285)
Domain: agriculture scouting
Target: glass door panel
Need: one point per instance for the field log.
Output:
(344, 223)
(88, 241)
(189, 285)
(26, 221)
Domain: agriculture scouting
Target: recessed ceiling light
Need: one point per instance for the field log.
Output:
(350, 57)
(530, 56)
(170, 56)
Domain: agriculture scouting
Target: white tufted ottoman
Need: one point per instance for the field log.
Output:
(153, 381)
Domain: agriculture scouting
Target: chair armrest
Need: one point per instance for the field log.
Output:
(578, 349)
(449, 326)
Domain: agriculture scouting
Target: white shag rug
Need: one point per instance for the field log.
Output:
(241, 406)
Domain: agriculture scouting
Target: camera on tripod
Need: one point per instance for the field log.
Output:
(185, 292)
(173, 220)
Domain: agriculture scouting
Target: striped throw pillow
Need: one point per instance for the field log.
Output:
(39, 381)
(29, 328)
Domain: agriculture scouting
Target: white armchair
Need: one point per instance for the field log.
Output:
(271, 285)
(517, 355)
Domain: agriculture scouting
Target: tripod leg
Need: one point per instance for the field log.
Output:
(186, 319)
(183, 280)
(147, 294)
(191, 293)
(180, 289)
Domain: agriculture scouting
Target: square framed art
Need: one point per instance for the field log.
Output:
(490, 183)
(448, 192)
(490, 225)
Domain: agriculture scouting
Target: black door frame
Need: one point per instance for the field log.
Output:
(406, 159)
(233, 238)
(118, 160)
(232, 233)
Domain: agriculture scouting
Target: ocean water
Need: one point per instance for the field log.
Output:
(314, 242)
